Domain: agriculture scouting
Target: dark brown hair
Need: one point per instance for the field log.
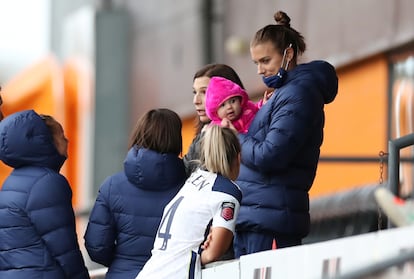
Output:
(281, 35)
(158, 130)
(219, 70)
(56, 131)
(52, 124)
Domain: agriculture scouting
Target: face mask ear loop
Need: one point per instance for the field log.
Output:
(284, 58)
(287, 65)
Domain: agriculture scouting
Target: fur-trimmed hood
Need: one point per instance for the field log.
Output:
(220, 90)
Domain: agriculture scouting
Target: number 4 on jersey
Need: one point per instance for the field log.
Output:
(170, 215)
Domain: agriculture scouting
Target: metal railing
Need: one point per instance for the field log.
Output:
(382, 269)
(394, 147)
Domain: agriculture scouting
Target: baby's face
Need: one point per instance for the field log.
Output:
(230, 109)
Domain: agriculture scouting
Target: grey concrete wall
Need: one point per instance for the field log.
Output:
(112, 93)
(340, 31)
(169, 41)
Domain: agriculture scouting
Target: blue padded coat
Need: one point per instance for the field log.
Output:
(37, 225)
(281, 150)
(128, 210)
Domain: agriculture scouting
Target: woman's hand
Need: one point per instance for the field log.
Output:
(206, 243)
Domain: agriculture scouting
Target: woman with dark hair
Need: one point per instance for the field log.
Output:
(129, 206)
(201, 80)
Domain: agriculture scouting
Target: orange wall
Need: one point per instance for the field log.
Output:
(356, 125)
(39, 87)
(189, 129)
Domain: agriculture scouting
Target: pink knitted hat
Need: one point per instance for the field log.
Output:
(220, 90)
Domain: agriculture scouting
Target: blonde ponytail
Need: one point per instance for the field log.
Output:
(220, 149)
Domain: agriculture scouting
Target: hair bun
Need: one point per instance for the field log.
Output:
(282, 18)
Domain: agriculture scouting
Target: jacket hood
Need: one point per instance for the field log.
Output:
(218, 91)
(321, 74)
(153, 171)
(25, 140)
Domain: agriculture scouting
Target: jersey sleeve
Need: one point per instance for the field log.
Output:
(226, 197)
(226, 213)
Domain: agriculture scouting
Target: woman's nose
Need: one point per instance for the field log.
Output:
(260, 69)
(196, 99)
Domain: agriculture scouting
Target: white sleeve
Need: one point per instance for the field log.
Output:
(226, 211)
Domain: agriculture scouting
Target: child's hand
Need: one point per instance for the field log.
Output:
(225, 123)
(267, 94)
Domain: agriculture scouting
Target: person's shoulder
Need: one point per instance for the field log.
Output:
(45, 174)
(317, 65)
(323, 76)
(113, 181)
(225, 185)
(52, 184)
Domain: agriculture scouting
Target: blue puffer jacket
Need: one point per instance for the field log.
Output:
(37, 224)
(280, 152)
(128, 210)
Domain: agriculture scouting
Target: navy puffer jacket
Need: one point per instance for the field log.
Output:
(37, 225)
(128, 210)
(281, 150)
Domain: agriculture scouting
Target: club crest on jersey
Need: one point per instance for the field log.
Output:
(227, 210)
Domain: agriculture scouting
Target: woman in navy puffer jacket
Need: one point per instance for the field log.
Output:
(37, 224)
(127, 212)
(280, 151)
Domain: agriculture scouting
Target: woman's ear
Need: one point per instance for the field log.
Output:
(290, 53)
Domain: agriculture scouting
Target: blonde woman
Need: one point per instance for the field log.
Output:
(208, 203)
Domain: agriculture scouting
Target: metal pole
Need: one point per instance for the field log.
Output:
(394, 147)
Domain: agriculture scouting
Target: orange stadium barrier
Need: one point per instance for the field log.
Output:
(65, 93)
(79, 104)
(39, 87)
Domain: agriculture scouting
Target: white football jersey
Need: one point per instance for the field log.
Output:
(204, 197)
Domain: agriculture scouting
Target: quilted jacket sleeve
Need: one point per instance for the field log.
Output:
(285, 125)
(100, 234)
(50, 210)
